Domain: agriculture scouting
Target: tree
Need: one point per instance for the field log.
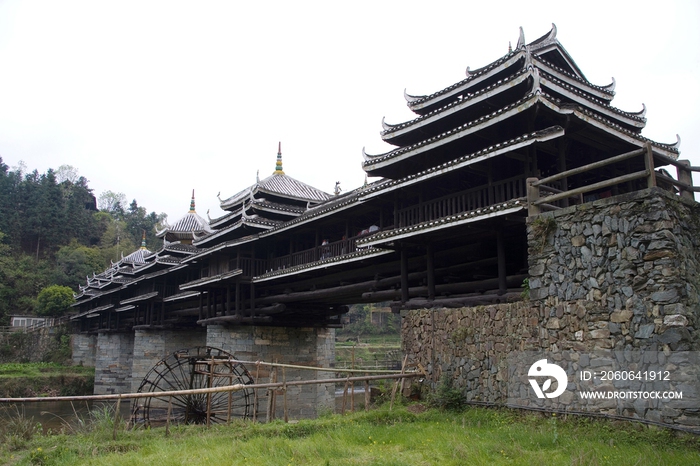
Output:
(112, 202)
(67, 173)
(54, 301)
(75, 262)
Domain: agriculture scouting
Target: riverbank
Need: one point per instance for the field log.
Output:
(45, 379)
(406, 435)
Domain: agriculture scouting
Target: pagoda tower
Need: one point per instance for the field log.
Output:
(262, 206)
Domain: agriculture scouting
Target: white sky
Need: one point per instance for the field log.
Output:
(154, 99)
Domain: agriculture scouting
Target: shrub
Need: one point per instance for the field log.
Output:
(446, 396)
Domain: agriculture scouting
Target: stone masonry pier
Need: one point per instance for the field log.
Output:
(619, 274)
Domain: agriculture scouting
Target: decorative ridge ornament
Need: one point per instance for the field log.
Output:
(677, 145)
(192, 203)
(521, 39)
(610, 87)
(278, 165)
(385, 125)
(143, 240)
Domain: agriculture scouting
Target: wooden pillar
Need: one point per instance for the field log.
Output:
(404, 275)
(685, 175)
(201, 304)
(649, 165)
(501, 252)
(533, 194)
(238, 298)
(208, 303)
(561, 167)
(430, 265)
(228, 300)
(252, 299)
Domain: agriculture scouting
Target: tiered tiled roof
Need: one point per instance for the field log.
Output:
(187, 227)
(538, 74)
(263, 206)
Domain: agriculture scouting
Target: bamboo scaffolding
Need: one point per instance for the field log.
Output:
(199, 391)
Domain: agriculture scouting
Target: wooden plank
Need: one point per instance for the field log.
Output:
(590, 166)
(593, 187)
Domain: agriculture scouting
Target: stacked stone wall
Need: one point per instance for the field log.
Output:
(113, 359)
(296, 346)
(83, 349)
(150, 346)
(618, 274)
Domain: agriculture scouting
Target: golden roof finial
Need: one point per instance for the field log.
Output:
(278, 165)
(192, 203)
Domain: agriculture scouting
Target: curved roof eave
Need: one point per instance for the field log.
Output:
(610, 127)
(475, 77)
(373, 162)
(602, 92)
(470, 159)
(629, 118)
(396, 130)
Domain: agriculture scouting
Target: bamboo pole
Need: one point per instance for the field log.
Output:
(345, 394)
(255, 394)
(199, 391)
(367, 395)
(116, 418)
(167, 417)
(393, 391)
(352, 387)
(284, 394)
(209, 383)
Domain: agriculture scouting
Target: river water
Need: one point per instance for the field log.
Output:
(55, 416)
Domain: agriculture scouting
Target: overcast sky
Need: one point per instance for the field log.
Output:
(154, 99)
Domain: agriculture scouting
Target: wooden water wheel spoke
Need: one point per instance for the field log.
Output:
(200, 367)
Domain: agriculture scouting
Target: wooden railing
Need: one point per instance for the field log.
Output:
(465, 201)
(684, 183)
(324, 251)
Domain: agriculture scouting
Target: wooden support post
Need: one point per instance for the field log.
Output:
(561, 166)
(396, 383)
(209, 303)
(271, 397)
(649, 165)
(352, 387)
(345, 395)
(209, 385)
(116, 418)
(238, 298)
(252, 299)
(501, 252)
(404, 275)
(367, 394)
(685, 176)
(167, 417)
(533, 194)
(430, 265)
(255, 393)
(284, 394)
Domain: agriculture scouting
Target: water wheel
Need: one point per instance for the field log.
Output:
(200, 367)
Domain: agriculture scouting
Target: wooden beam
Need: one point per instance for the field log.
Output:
(501, 254)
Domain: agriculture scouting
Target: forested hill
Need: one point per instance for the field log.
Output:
(55, 232)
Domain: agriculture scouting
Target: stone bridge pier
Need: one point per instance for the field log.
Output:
(122, 360)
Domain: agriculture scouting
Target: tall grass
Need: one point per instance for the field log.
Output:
(402, 436)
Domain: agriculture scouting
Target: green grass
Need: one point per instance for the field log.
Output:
(41, 369)
(43, 378)
(476, 436)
